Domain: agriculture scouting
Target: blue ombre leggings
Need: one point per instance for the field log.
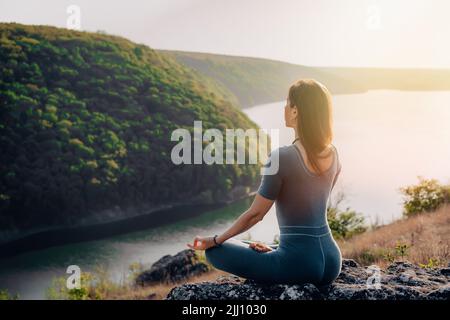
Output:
(305, 255)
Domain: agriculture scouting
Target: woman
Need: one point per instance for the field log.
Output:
(308, 170)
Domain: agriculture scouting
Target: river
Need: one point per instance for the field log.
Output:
(385, 139)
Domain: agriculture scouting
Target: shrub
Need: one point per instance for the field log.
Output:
(426, 196)
(432, 263)
(370, 256)
(94, 286)
(401, 249)
(344, 224)
(5, 295)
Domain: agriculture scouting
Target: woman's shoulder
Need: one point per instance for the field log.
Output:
(285, 155)
(276, 158)
(336, 154)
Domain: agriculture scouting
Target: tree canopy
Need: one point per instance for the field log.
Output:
(85, 125)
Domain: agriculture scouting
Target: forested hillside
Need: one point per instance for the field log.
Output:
(259, 81)
(86, 121)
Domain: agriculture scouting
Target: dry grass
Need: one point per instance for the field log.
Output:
(158, 291)
(427, 236)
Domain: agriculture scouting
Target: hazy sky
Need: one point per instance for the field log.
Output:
(382, 33)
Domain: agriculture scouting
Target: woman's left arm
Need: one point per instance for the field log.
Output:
(246, 220)
(268, 191)
(249, 218)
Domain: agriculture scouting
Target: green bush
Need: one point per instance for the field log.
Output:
(431, 263)
(426, 196)
(401, 250)
(94, 286)
(344, 224)
(59, 291)
(5, 295)
(370, 256)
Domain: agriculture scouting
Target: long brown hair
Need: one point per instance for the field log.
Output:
(314, 121)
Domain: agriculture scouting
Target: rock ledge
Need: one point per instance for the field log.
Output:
(400, 281)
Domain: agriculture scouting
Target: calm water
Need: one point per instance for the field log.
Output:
(384, 138)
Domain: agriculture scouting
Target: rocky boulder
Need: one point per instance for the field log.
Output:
(399, 281)
(174, 268)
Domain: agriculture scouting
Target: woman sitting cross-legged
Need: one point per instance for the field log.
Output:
(307, 172)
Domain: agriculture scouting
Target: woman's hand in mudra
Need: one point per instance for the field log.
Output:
(202, 243)
(260, 247)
